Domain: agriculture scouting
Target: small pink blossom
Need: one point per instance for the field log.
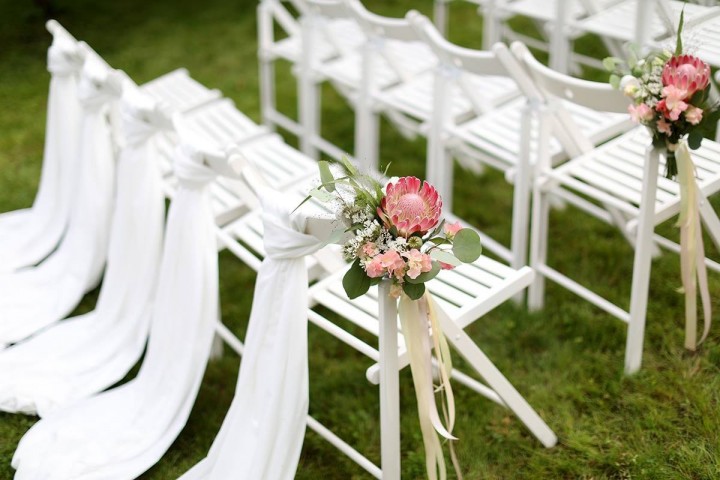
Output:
(369, 249)
(451, 229)
(664, 127)
(693, 115)
(672, 104)
(374, 268)
(640, 113)
(417, 263)
(446, 266)
(392, 262)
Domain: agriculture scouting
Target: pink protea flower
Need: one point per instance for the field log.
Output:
(687, 73)
(417, 263)
(410, 206)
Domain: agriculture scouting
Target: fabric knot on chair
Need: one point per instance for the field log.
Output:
(98, 85)
(142, 117)
(192, 165)
(65, 57)
(284, 231)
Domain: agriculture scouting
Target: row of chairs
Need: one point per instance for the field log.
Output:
(647, 23)
(547, 132)
(183, 111)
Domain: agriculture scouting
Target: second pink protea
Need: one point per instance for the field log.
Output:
(687, 73)
(411, 206)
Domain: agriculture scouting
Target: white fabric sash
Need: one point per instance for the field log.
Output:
(122, 432)
(89, 353)
(34, 298)
(29, 235)
(263, 432)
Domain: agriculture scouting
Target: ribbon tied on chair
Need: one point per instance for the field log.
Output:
(29, 235)
(263, 432)
(87, 354)
(34, 298)
(122, 432)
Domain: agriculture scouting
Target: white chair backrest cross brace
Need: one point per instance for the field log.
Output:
(622, 176)
(492, 137)
(331, 38)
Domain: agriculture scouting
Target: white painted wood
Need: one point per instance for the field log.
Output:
(389, 386)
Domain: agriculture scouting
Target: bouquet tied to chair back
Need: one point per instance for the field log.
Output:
(395, 233)
(671, 96)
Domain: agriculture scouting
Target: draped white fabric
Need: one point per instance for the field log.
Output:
(33, 298)
(29, 235)
(89, 353)
(120, 433)
(263, 432)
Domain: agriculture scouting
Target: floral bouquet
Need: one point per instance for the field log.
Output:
(395, 233)
(671, 96)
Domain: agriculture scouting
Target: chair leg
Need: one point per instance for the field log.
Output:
(642, 264)
(309, 113)
(497, 382)
(367, 132)
(389, 386)
(538, 246)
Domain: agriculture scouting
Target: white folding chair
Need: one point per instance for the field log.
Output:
(492, 137)
(326, 38)
(644, 22)
(619, 182)
(391, 55)
(464, 295)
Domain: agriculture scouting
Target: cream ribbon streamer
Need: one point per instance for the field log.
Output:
(84, 355)
(692, 249)
(418, 321)
(35, 297)
(29, 235)
(120, 433)
(263, 432)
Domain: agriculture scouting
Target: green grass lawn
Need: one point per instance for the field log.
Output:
(663, 423)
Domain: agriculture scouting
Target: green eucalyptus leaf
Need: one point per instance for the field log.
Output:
(301, 203)
(356, 282)
(321, 195)
(695, 138)
(414, 290)
(610, 62)
(466, 245)
(615, 81)
(445, 257)
(349, 167)
(426, 276)
(678, 41)
(326, 176)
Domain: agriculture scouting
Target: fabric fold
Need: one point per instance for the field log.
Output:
(262, 434)
(29, 235)
(35, 297)
(89, 353)
(122, 432)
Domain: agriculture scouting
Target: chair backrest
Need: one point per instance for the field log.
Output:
(457, 63)
(555, 87)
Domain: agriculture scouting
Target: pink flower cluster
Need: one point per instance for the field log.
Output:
(682, 77)
(411, 263)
